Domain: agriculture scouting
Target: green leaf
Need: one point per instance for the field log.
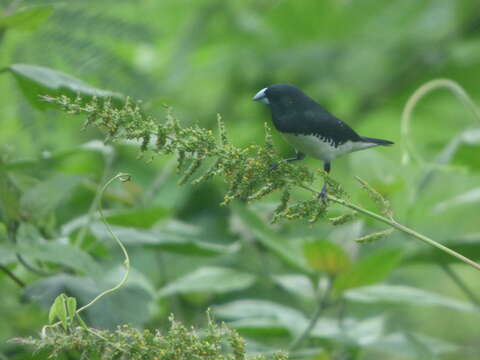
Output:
(467, 244)
(51, 159)
(461, 150)
(130, 304)
(35, 81)
(371, 269)
(9, 196)
(27, 18)
(259, 327)
(255, 313)
(270, 239)
(71, 305)
(471, 197)
(400, 294)
(165, 240)
(7, 254)
(325, 256)
(31, 244)
(209, 280)
(407, 345)
(298, 285)
(138, 218)
(350, 331)
(42, 199)
(58, 310)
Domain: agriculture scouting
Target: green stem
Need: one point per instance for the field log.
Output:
(408, 150)
(460, 283)
(120, 176)
(406, 230)
(322, 305)
(12, 276)
(91, 212)
(393, 223)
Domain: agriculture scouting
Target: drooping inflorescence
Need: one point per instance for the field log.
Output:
(202, 155)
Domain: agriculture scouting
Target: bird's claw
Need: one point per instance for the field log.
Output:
(323, 194)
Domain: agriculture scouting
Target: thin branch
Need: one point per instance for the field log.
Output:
(408, 150)
(393, 223)
(323, 303)
(460, 283)
(12, 276)
(108, 161)
(122, 177)
(12, 234)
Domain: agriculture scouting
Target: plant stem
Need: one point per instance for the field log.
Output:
(322, 305)
(393, 223)
(408, 150)
(108, 161)
(12, 276)
(459, 282)
(122, 177)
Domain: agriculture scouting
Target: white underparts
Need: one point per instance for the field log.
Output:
(323, 148)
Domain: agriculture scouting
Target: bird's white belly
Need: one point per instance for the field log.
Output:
(321, 148)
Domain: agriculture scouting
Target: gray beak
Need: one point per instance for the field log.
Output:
(261, 97)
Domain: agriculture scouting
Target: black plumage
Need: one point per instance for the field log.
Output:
(294, 112)
(310, 128)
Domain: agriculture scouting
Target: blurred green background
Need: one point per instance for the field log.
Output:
(362, 60)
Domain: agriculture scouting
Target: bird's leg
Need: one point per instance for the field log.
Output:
(323, 194)
(298, 156)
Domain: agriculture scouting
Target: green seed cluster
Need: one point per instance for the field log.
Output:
(376, 236)
(249, 172)
(343, 219)
(178, 343)
(378, 198)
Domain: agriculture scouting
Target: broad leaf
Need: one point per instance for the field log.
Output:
(271, 314)
(209, 280)
(400, 294)
(468, 245)
(58, 310)
(35, 81)
(470, 197)
(138, 218)
(130, 304)
(176, 243)
(350, 331)
(408, 345)
(9, 196)
(325, 256)
(259, 327)
(269, 239)
(7, 254)
(299, 285)
(48, 159)
(31, 245)
(43, 198)
(369, 270)
(26, 18)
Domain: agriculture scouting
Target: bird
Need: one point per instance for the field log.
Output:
(310, 128)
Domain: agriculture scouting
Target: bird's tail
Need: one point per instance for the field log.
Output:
(376, 141)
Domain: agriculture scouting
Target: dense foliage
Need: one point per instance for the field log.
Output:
(300, 284)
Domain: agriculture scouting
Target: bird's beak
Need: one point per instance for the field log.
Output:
(261, 96)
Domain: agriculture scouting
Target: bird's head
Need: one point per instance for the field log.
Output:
(281, 94)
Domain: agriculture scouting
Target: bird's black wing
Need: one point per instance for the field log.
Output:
(316, 121)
